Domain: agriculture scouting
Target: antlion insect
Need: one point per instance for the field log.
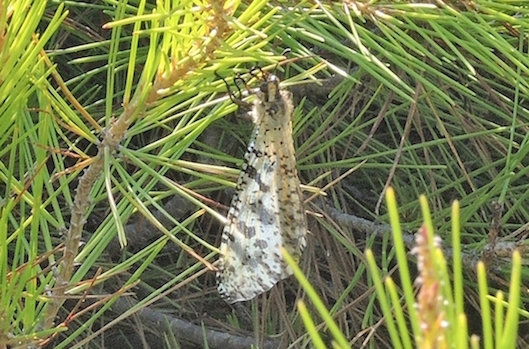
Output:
(267, 211)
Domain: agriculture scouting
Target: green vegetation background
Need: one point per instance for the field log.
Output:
(119, 151)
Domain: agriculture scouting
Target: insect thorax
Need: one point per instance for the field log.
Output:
(276, 113)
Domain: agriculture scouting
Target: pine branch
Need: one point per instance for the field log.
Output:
(112, 137)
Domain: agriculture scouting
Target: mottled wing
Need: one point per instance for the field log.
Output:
(267, 211)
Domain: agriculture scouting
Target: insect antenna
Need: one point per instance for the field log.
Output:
(236, 80)
(252, 73)
(284, 54)
(233, 98)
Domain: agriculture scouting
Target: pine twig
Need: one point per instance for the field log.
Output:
(188, 331)
(112, 137)
(501, 250)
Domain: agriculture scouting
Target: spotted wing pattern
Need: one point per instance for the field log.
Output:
(267, 211)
